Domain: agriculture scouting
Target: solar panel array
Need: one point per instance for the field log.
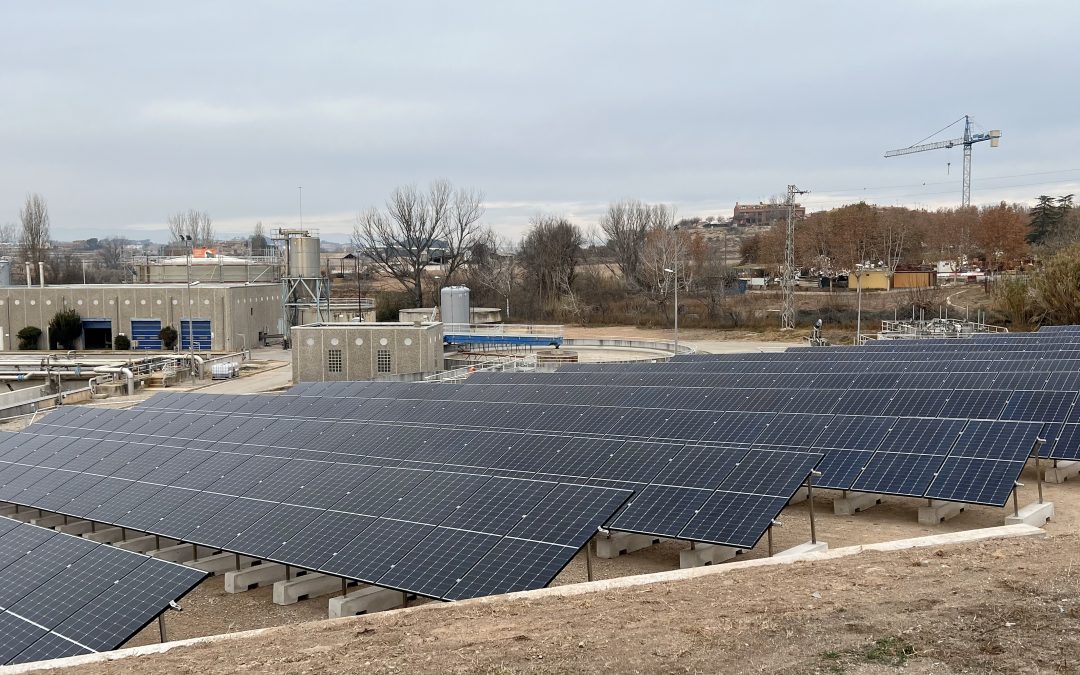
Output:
(297, 494)
(62, 595)
(418, 435)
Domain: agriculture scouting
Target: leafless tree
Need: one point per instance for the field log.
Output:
(9, 234)
(550, 254)
(111, 252)
(259, 242)
(493, 266)
(626, 226)
(399, 240)
(192, 223)
(462, 230)
(34, 239)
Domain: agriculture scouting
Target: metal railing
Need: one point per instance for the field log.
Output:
(523, 364)
(541, 330)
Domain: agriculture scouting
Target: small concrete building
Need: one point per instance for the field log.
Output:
(365, 351)
(222, 317)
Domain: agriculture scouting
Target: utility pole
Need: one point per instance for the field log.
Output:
(787, 318)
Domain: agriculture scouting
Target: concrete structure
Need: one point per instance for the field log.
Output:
(364, 351)
(747, 215)
(214, 269)
(476, 314)
(224, 317)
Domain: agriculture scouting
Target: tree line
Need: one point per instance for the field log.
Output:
(997, 238)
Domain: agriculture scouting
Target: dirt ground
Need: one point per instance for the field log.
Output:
(1004, 606)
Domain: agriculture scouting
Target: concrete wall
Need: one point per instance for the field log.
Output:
(872, 280)
(413, 349)
(914, 279)
(232, 310)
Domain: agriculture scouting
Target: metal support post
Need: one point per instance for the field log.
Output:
(194, 551)
(588, 559)
(1039, 442)
(344, 587)
(810, 503)
(161, 628)
(237, 559)
(770, 540)
(288, 573)
(1016, 501)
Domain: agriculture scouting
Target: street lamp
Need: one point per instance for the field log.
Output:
(187, 301)
(675, 275)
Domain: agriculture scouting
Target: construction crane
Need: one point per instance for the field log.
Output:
(967, 140)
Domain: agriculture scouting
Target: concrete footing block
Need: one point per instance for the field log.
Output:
(257, 575)
(310, 585)
(1033, 514)
(365, 600)
(220, 563)
(800, 496)
(705, 554)
(855, 502)
(76, 527)
(1062, 472)
(26, 515)
(49, 520)
(938, 512)
(145, 543)
(618, 543)
(181, 552)
(803, 549)
(107, 535)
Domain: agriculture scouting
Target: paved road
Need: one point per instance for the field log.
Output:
(267, 380)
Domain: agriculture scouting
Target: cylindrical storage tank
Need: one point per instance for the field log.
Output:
(455, 304)
(304, 257)
(5, 272)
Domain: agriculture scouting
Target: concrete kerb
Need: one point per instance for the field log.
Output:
(946, 539)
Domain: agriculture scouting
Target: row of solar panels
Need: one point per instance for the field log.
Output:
(441, 534)
(861, 452)
(62, 595)
(624, 464)
(763, 416)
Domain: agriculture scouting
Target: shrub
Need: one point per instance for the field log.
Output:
(28, 338)
(168, 337)
(65, 328)
(122, 343)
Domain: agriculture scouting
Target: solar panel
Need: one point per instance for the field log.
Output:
(63, 595)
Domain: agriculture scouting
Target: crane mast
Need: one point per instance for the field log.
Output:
(969, 138)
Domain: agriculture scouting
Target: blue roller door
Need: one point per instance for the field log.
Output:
(199, 331)
(145, 333)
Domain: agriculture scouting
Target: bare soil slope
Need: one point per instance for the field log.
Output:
(997, 606)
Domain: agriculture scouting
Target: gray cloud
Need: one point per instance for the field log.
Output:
(123, 113)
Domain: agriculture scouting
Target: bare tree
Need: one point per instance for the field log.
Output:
(493, 266)
(259, 242)
(111, 252)
(194, 224)
(34, 240)
(627, 225)
(399, 240)
(550, 254)
(462, 230)
(9, 234)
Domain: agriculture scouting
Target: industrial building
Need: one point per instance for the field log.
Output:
(365, 351)
(206, 268)
(747, 215)
(213, 316)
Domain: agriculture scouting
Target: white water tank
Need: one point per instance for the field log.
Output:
(454, 307)
(304, 257)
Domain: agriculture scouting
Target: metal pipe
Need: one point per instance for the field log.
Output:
(810, 502)
(161, 627)
(41, 274)
(1016, 502)
(770, 540)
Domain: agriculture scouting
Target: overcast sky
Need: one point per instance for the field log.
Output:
(121, 113)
